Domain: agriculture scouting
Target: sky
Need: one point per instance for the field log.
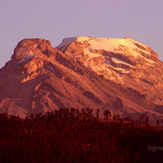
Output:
(55, 20)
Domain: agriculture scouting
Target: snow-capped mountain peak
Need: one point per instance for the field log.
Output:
(122, 75)
(108, 44)
(110, 57)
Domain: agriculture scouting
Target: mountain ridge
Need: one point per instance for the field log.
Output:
(116, 59)
(40, 78)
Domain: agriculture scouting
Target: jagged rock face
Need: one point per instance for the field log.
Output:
(40, 78)
(124, 61)
(126, 77)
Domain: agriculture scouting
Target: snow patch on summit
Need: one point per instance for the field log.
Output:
(110, 57)
(67, 41)
(125, 45)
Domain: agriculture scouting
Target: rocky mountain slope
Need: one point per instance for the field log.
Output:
(121, 75)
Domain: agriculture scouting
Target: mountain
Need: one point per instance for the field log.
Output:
(122, 75)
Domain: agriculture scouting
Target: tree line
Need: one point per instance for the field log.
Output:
(70, 135)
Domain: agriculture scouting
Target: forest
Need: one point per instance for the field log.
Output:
(68, 135)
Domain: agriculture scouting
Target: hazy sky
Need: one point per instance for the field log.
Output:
(54, 20)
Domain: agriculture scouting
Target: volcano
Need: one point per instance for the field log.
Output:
(121, 75)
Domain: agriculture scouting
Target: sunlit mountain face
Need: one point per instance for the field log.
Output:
(121, 75)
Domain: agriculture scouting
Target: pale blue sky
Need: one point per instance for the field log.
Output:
(56, 19)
